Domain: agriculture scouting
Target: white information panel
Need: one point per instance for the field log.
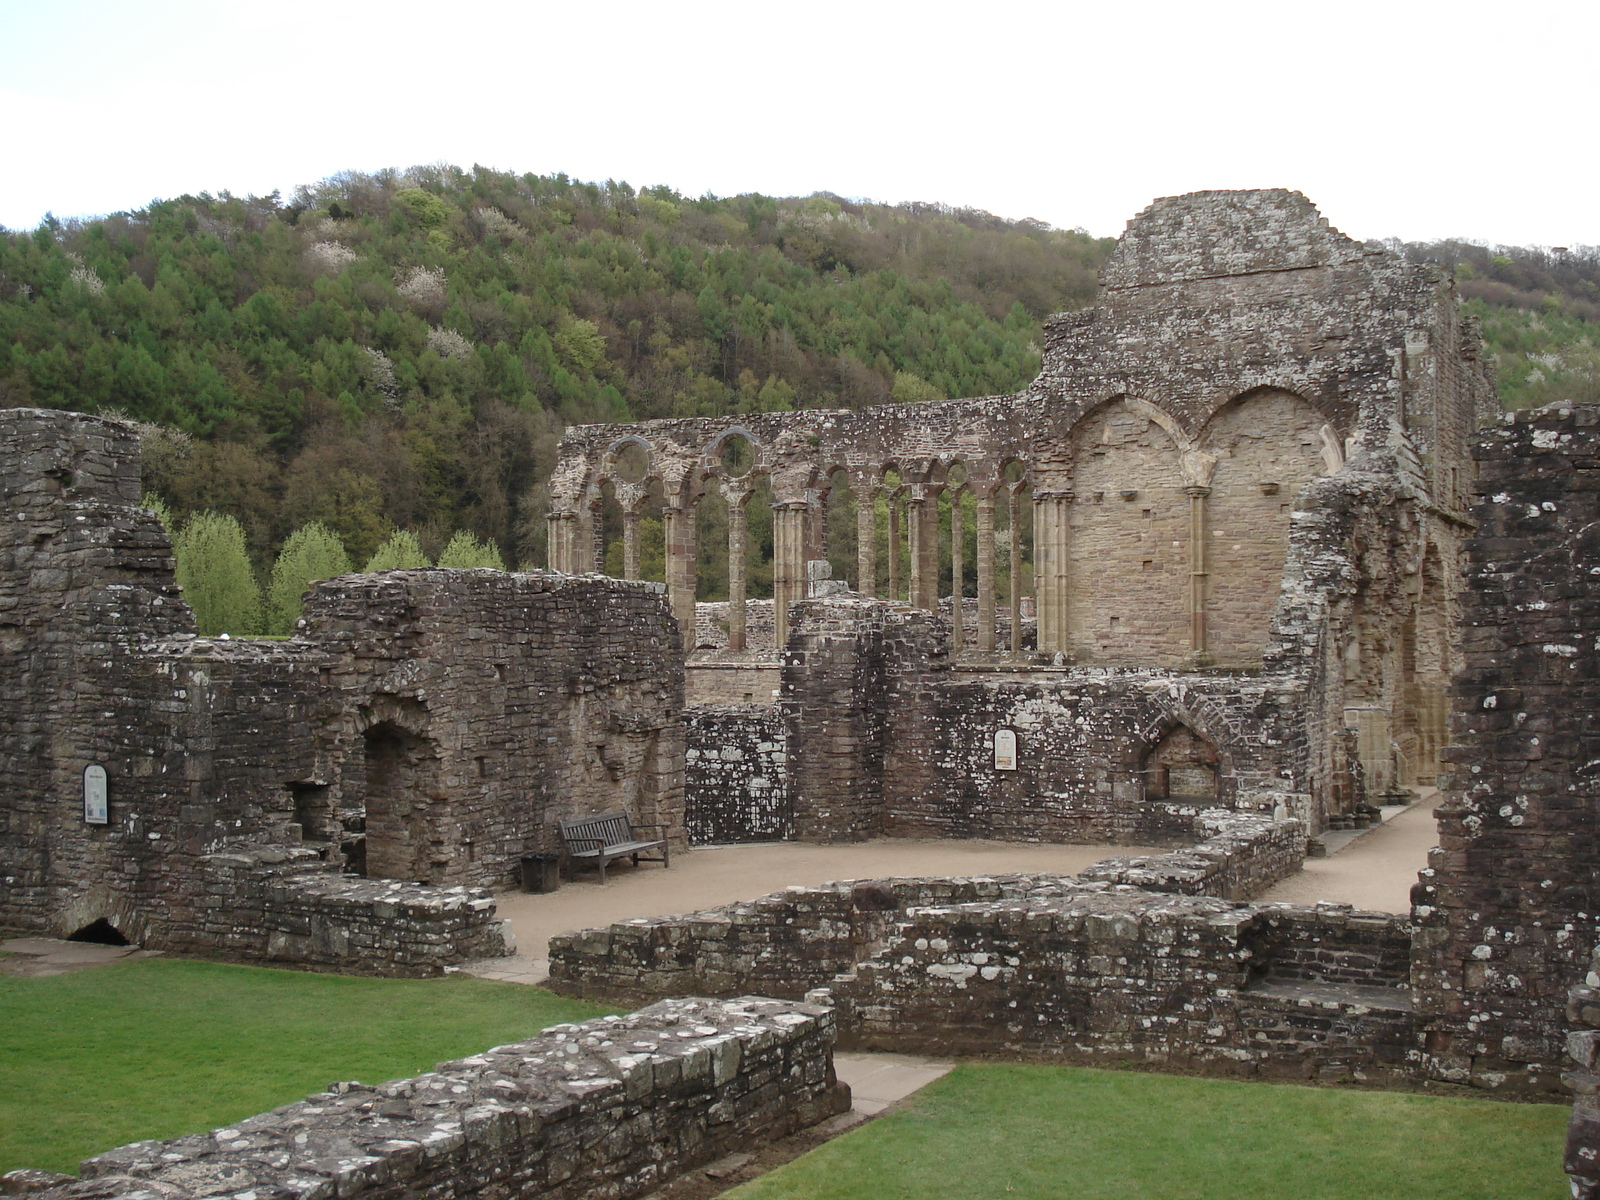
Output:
(95, 811)
(1005, 750)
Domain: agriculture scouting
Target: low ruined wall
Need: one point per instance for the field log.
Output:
(611, 1107)
(284, 904)
(736, 776)
(1123, 976)
(784, 944)
(1043, 966)
(1244, 856)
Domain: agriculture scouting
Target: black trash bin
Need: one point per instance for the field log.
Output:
(541, 872)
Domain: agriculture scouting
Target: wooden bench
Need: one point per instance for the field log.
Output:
(608, 837)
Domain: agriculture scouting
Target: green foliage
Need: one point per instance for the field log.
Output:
(311, 553)
(1541, 315)
(214, 571)
(401, 351)
(162, 1047)
(158, 506)
(465, 550)
(1040, 1133)
(400, 553)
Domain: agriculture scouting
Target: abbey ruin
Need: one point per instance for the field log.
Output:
(1255, 551)
(1241, 482)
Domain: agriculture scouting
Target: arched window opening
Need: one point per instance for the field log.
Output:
(893, 557)
(1014, 610)
(400, 769)
(840, 528)
(1183, 768)
(957, 533)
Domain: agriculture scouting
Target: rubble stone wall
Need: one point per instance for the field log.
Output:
(788, 942)
(736, 776)
(1125, 975)
(454, 714)
(616, 1106)
(1507, 910)
(1043, 966)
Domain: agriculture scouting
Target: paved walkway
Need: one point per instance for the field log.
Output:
(41, 956)
(709, 876)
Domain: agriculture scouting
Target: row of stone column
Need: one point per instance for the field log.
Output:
(799, 534)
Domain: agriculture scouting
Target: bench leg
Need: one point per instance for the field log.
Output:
(602, 862)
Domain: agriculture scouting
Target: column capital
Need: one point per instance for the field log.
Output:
(1065, 497)
(1197, 491)
(790, 505)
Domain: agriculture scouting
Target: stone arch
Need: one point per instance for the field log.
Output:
(99, 932)
(1268, 444)
(715, 454)
(1127, 553)
(629, 459)
(401, 792)
(1182, 763)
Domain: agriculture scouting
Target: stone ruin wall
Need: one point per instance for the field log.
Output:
(616, 1106)
(1052, 966)
(1249, 459)
(1504, 916)
(1506, 910)
(458, 714)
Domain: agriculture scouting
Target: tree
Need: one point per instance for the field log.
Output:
(465, 550)
(214, 572)
(400, 553)
(310, 553)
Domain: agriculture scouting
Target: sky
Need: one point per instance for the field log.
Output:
(1408, 119)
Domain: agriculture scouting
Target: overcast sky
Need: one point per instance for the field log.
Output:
(1405, 119)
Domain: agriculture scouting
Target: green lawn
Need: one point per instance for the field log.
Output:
(162, 1047)
(1066, 1133)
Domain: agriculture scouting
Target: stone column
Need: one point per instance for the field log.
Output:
(986, 572)
(1050, 567)
(678, 534)
(1197, 570)
(915, 536)
(1014, 502)
(736, 566)
(867, 539)
(788, 563)
(894, 544)
(597, 539)
(957, 634)
(558, 540)
(630, 544)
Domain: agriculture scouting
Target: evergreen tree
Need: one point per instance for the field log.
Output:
(465, 550)
(400, 553)
(214, 572)
(310, 553)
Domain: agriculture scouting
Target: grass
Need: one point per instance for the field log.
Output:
(163, 1047)
(1035, 1132)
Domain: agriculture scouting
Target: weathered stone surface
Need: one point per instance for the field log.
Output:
(615, 1106)
(1507, 911)
(432, 725)
(1244, 479)
(1043, 965)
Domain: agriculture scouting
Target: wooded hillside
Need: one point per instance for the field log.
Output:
(402, 350)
